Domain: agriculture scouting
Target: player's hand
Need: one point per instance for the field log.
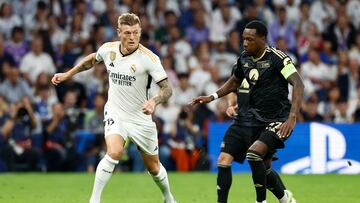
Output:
(202, 100)
(287, 127)
(149, 107)
(58, 78)
(231, 111)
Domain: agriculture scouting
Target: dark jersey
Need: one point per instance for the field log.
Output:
(242, 94)
(268, 98)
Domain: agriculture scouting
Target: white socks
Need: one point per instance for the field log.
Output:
(103, 173)
(162, 181)
(262, 201)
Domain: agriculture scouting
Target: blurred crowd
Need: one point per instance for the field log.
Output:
(60, 128)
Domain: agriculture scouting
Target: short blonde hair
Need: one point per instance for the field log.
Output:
(128, 19)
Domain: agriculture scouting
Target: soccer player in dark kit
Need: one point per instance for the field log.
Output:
(267, 71)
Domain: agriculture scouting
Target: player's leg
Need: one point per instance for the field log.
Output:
(233, 148)
(275, 184)
(159, 175)
(255, 156)
(115, 146)
(224, 176)
(145, 137)
(273, 181)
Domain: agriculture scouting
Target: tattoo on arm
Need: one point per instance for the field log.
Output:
(88, 62)
(164, 93)
(297, 94)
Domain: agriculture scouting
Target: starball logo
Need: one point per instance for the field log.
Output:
(121, 79)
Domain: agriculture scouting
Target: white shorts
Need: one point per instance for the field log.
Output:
(144, 136)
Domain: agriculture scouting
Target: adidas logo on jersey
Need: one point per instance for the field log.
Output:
(111, 64)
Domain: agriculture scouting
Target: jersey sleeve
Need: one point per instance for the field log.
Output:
(238, 71)
(156, 70)
(284, 64)
(100, 53)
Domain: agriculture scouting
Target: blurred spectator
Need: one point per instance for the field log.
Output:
(183, 93)
(17, 46)
(281, 44)
(157, 9)
(187, 16)
(94, 121)
(352, 10)
(224, 19)
(183, 143)
(311, 39)
(44, 97)
(310, 111)
(182, 49)
(162, 32)
(24, 8)
(8, 20)
(74, 114)
(59, 144)
(6, 59)
(78, 37)
(36, 62)
(322, 13)
(282, 27)
(57, 38)
(18, 153)
(87, 18)
(250, 14)
(293, 11)
(197, 32)
(72, 85)
(264, 11)
(341, 33)
(342, 113)
(304, 21)
(14, 88)
(37, 21)
(354, 53)
(168, 64)
(223, 60)
(328, 107)
(234, 43)
(317, 75)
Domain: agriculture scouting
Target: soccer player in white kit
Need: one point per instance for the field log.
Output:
(127, 112)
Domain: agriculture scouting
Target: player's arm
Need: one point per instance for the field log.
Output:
(231, 111)
(293, 77)
(163, 95)
(85, 64)
(230, 86)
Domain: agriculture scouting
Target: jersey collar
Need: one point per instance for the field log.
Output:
(262, 55)
(123, 55)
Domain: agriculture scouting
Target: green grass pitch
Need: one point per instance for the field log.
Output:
(187, 188)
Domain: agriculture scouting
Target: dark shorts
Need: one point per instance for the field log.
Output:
(270, 137)
(238, 139)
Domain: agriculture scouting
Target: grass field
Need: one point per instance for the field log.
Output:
(188, 188)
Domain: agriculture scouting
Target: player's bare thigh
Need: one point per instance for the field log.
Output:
(225, 159)
(151, 162)
(115, 145)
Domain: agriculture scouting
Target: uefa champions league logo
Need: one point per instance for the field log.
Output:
(327, 151)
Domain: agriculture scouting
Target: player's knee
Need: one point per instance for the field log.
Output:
(115, 153)
(225, 159)
(267, 163)
(253, 156)
(154, 169)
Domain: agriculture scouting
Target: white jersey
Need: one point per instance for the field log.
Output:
(129, 80)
